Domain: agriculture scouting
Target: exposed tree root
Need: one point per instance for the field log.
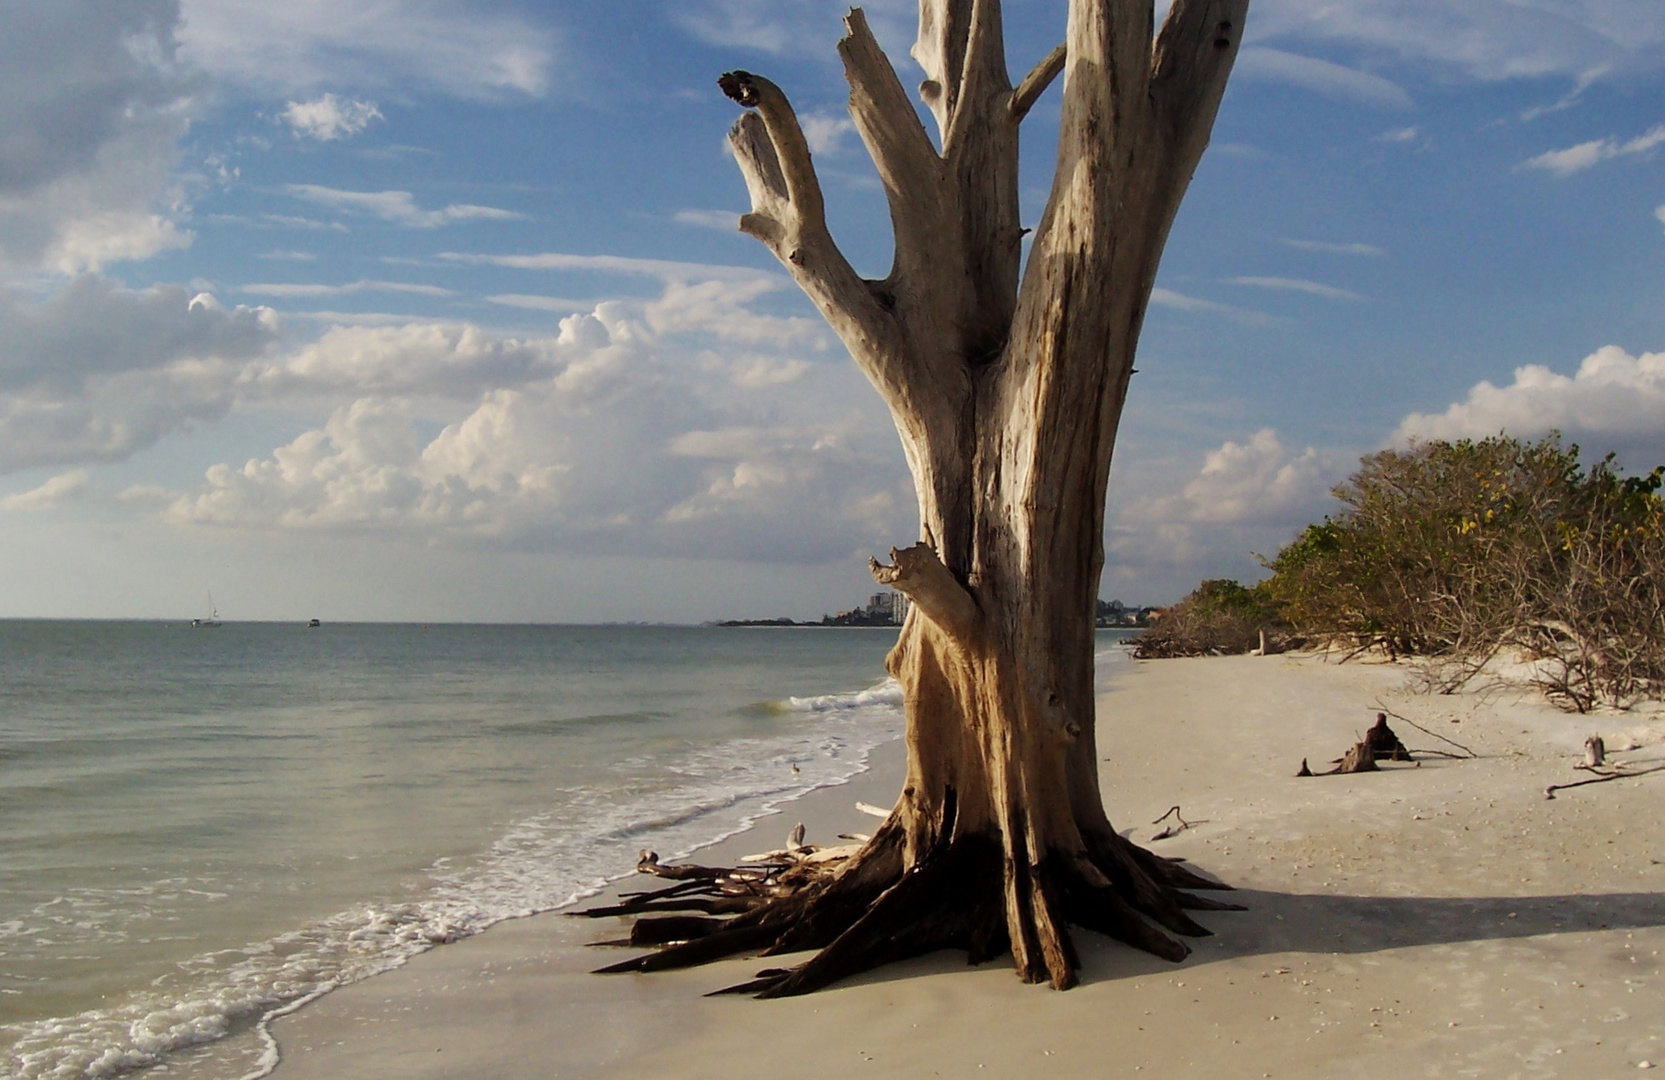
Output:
(869, 910)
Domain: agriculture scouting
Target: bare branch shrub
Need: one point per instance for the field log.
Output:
(1451, 552)
(1218, 618)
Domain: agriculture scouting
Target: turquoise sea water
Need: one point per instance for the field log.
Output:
(200, 826)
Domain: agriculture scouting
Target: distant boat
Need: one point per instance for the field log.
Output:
(313, 624)
(213, 619)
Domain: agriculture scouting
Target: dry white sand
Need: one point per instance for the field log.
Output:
(1441, 920)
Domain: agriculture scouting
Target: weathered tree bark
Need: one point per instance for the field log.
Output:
(1006, 382)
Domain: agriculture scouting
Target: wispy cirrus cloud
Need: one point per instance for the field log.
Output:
(825, 131)
(301, 45)
(724, 220)
(398, 207)
(60, 488)
(1321, 77)
(1311, 288)
(362, 285)
(1327, 247)
(1572, 97)
(1176, 301)
(663, 269)
(1589, 154)
(1483, 40)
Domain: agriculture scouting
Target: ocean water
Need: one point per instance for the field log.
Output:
(199, 827)
(202, 828)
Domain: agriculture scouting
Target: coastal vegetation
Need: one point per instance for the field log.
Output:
(1006, 378)
(1458, 554)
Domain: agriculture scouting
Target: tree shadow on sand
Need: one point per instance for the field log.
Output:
(1277, 923)
(1304, 922)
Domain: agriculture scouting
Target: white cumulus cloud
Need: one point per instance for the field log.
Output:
(328, 117)
(1171, 522)
(599, 438)
(1258, 480)
(1613, 402)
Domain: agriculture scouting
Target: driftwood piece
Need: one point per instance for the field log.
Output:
(1359, 759)
(649, 863)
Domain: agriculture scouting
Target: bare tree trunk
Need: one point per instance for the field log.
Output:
(1006, 383)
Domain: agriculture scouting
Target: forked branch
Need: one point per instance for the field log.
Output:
(774, 157)
(789, 216)
(918, 574)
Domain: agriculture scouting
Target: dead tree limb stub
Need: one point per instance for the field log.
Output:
(1383, 743)
(1006, 378)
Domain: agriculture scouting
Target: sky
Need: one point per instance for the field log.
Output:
(436, 311)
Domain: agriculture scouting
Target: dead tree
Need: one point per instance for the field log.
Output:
(1006, 382)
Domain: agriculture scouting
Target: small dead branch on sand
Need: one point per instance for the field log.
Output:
(1619, 773)
(1466, 752)
(1175, 829)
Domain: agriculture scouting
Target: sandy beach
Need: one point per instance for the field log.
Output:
(1438, 919)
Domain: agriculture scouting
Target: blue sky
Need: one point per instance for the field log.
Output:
(426, 310)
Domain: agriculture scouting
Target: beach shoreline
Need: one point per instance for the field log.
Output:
(1440, 918)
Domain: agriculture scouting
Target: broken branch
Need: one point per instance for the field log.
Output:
(918, 574)
(1425, 731)
(1035, 83)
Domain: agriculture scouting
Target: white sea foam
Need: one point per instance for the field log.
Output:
(885, 694)
(587, 837)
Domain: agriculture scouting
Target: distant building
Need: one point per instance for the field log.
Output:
(1114, 613)
(886, 608)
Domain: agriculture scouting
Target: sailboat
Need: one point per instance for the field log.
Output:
(213, 614)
